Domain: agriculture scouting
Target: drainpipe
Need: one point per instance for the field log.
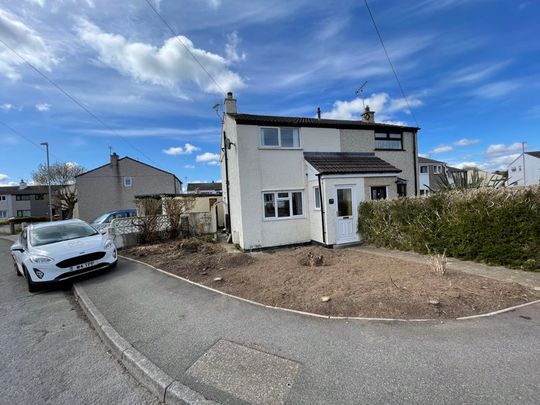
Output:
(415, 158)
(322, 209)
(228, 221)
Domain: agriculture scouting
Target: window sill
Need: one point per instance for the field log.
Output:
(284, 218)
(390, 150)
(279, 148)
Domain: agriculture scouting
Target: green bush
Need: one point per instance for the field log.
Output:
(495, 226)
(28, 220)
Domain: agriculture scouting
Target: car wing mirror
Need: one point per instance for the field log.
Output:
(17, 248)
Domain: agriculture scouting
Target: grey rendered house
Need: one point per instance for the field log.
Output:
(114, 186)
(432, 173)
(291, 180)
(26, 201)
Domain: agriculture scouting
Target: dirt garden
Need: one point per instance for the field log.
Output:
(340, 282)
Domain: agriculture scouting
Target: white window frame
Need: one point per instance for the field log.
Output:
(3, 214)
(261, 138)
(128, 181)
(316, 195)
(437, 169)
(371, 192)
(289, 198)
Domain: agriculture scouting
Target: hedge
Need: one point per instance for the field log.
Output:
(494, 226)
(20, 220)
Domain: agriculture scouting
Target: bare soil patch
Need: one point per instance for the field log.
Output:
(357, 283)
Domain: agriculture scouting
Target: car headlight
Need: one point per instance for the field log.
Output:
(109, 245)
(41, 259)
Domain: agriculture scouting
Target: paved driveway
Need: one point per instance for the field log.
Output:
(50, 355)
(203, 339)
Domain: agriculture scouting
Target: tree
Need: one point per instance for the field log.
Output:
(63, 175)
(176, 208)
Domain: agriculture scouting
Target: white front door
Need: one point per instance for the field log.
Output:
(346, 224)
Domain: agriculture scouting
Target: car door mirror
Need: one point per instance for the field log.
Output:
(17, 248)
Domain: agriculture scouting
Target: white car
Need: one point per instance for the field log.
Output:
(57, 251)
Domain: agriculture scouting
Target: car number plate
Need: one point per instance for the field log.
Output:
(82, 266)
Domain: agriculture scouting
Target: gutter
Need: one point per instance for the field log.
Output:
(322, 209)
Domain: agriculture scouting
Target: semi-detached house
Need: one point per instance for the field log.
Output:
(291, 180)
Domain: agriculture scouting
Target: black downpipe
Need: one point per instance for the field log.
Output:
(322, 210)
(228, 219)
(415, 164)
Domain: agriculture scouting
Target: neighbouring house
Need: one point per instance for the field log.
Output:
(487, 179)
(292, 180)
(26, 201)
(114, 186)
(204, 188)
(524, 170)
(434, 173)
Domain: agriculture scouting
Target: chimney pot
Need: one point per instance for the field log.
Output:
(368, 115)
(319, 112)
(230, 104)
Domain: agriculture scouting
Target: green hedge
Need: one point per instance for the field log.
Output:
(29, 220)
(494, 226)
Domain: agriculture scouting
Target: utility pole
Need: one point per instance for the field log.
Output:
(523, 155)
(46, 144)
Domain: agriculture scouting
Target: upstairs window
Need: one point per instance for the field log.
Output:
(437, 169)
(423, 169)
(388, 141)
(280, 137)
(23, 197)
(128, 181)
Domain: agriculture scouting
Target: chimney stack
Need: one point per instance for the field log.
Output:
(230, 104)
(319, 113)
(114, 159)
(368, 115)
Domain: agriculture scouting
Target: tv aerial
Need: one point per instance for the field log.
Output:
(360, 92)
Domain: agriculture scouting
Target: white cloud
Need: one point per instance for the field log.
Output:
(187, 149)
(208, 157)
(381, 103)
(6, 107)
(441, 149)
(466, 165)
(26, 42)
(43, 107)
(169, 66)
(500, 162)
(4, 180)
(231, 48)
(3, 177)
(466, 142)
(189, 167)
(214, 3)
(152, 132)
(497, 89)
(502, 149)
(476, 73)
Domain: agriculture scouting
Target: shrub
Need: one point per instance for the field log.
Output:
(496, 226)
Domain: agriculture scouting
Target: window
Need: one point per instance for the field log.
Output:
(317, 198)
(402, 190)
(3, 197)
(437, 169)
(23, 197)
(387, 141)
(280, 137)
(128, 182)
(378, 193)
(283, 204)
(24, 213)
(514, 168)
(344, 202)
(423, 169)
(424, 192)
(39, 196)
(3, 214)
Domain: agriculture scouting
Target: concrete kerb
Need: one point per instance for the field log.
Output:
(148, 374)
(313, 315)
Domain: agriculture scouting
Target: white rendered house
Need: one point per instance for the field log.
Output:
(291, 180)
(525, 170)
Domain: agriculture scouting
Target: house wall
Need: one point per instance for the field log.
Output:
(102, 190)
(6, 204)
(531, 171)
(355, 140)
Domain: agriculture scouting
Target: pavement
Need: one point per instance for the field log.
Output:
(234, 352)
(49, 353)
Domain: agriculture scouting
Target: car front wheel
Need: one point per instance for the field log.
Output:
(32, 287)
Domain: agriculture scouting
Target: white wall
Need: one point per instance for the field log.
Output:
(524, 173)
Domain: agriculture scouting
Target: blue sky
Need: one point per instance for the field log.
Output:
(470, 68)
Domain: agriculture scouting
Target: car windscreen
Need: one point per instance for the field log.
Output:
(60, 233)
(101, 218)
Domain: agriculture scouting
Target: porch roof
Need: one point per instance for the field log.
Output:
(348, 163)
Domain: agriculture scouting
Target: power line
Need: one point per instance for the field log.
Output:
(154, 9)
(27, 139)
(390, 62)
(77, 102)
